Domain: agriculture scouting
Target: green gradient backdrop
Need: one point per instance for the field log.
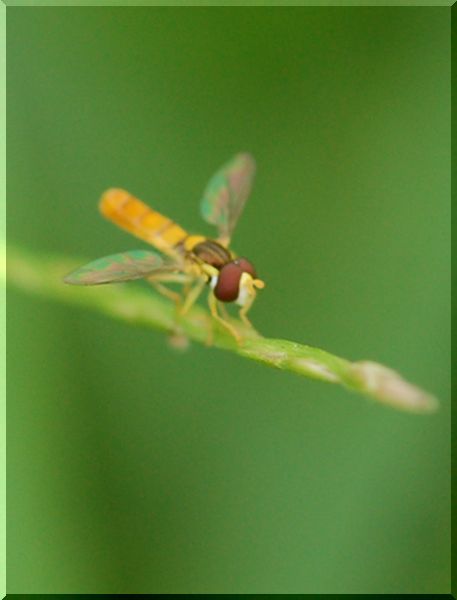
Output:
(135, 469)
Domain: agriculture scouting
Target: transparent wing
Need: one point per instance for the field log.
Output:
(226, 194)
(125, 266)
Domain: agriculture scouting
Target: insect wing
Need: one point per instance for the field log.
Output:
(226, 194)
(124, 266)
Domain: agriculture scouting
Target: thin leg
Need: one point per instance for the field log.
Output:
(158, 280)
(212, 301)
(186, 288)
(192, 296)
(176, 339)
(224, 311)
(170, 294)
(244, 310)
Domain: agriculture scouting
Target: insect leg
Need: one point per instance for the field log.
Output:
(224, 311)
(160, 278)
(212, 302)
(191, 296)
(245, 309)
(177, 339)
(170, 294)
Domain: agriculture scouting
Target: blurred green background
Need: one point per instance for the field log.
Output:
(136, 469)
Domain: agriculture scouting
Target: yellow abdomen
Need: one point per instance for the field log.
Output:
(137, 218)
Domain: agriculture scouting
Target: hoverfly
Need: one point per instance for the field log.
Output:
(192, 260)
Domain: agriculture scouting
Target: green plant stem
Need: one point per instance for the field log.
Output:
(131, 303)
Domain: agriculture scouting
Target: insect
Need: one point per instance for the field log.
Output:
(192, 260)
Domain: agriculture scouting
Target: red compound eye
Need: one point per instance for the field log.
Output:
(228, 283)
(246, 266)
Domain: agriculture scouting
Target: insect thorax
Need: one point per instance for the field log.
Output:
(212, 253)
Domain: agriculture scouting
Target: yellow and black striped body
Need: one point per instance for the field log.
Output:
(137, 218)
